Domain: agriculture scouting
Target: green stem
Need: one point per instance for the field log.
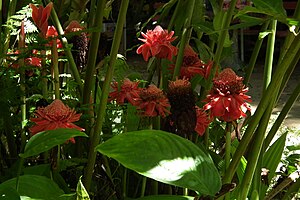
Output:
(270, 93)
(103, 101)
(44, 80)
(11, 11)
(143, 188)
(184, 39)
(93, 52)
(92, 14)
(54, 54)
(254, 54)
(21, 162)
(67, 50)
(125, 183)
(269, 56)
(175, 15)
(227, 151)
(253, 158)
(221, 40)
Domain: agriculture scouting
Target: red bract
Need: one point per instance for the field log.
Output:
(227, 99)
(40, 17)
(52, 33)
(127, 92)
(30, 61)
(54, 116)
(202, 121)
(153, 102)
(158, 44)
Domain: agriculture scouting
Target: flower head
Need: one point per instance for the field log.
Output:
(202, 121)
(40, 16)
(192, 64)
(153, 102)
(52, 34)
(227, 99)
(54, 116)
(127, 92)
(157, 44)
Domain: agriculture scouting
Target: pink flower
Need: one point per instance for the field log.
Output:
(227, 99)
(202, 121)
(158, 44)
(40, 16)
(127, 92)
(54, 116)
(153, 102)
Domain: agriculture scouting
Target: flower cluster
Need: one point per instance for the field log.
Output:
(227, 99)
(54, 116)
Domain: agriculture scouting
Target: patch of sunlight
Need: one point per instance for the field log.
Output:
(173, 170)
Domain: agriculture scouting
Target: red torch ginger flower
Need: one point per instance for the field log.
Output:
(52, 33)
(54, 116)
(158, 44)
(202, 121)
(153, 102)
(227, 99)
(40, 16)
(127, 92)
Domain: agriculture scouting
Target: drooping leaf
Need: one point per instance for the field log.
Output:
(164, 157)
(81, 193)
(35, 187)
(44, 141)
(273, 7)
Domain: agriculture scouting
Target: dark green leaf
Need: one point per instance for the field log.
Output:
(81, 192)
(8, 193)
(44, 141)
(37, 187)
(165, 157)
(166, 197)
(273, 7)
(293, 147)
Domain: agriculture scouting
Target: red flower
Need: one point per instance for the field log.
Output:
(158, 44)
(192, 65)
(52, 33)
(153, 102)
(30, 61)
(128, 91)
(202, 121)
(40, 17)
(227, 99)
(54, 116)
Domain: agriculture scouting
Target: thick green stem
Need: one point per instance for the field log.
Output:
(44, 80)
(227, 151)
(184, 39)
(175, 14)
(254, 54)
(143, 187)
(254, 157)
(67, 50)
(221, 40)
(93, 52)
(103, 101)
(54, 54)
(269, 56)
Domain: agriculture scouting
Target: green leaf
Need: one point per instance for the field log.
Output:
(166, 197)
(44, 141)
(273, 7)
(81, 192)
(165, 157)
(8, 193)
(293, 147)
(262, 35)
(35, 187)
(273, 155)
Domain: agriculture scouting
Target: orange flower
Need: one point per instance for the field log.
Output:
(227, 99)
(202, 121)
(40, 16)
(127, 92)
(54, 116)
(158, 44)
(153, 102)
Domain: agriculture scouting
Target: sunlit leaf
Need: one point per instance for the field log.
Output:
(35, 187)
(165, 157)
(44, 141)
(262, 35)
(81, 193)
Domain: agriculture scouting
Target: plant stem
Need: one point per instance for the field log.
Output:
(227, 151)
(44, 80)
(269, 56)
(93, 52)
(270, 93)
(254, 54)
(143, 188)
(54, 54)
(221, 40)
(175, 14)
(67, 50)
(184, 39)
(103, 101)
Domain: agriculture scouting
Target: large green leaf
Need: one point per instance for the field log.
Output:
(8, 193)
(35, 187)
(166, 197)
(44, 141)
(165, 157)
(274, 7)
